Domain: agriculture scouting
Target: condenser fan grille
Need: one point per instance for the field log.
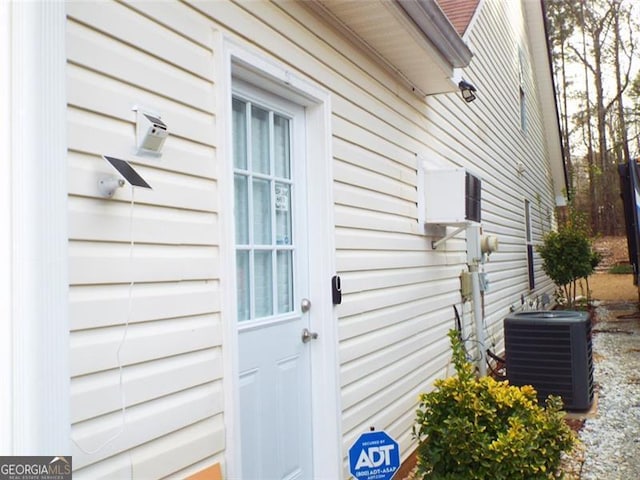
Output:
(553, 353)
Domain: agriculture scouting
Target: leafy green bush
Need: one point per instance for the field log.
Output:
(567, 256)
(621, 269)
(481, 429)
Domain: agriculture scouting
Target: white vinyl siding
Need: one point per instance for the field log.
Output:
(172, 375)
(397, 292)
(503, 149)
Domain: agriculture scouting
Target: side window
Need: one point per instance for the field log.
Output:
(521, 86)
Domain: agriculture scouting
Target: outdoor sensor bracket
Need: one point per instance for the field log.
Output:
(107, 186)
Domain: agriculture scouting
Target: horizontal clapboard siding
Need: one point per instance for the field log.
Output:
(94, 306)
(503, 215)
(184, 445)
(98, 394)
(398, 292)
(377, 134)
(165, 328)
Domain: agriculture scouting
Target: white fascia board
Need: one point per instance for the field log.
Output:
(546, 92)
(434, 24)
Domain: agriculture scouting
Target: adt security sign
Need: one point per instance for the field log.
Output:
(374, 456)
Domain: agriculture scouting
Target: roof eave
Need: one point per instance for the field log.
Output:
(543, 64)
(417, 44)
(437, 28)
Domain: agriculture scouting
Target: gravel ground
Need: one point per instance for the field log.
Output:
(611, 434)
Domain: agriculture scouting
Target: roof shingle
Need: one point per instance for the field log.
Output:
(459, 12)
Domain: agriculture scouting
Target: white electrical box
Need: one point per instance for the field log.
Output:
(451, 196)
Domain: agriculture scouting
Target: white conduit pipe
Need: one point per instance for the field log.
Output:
(477, 317)
(474, 257)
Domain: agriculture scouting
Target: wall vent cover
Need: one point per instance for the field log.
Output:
(451, 196)
(552, 351)
(473, 189)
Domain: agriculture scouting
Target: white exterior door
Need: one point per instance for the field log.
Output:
(272, 286)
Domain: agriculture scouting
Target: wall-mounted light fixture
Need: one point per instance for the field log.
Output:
(151, 132)
(467, 90)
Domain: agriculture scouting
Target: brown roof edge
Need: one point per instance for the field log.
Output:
(459, 12)
(437, 28)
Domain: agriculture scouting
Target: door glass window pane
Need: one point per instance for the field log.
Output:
(283, 213)
(285, 281)
(263, 283)
(260, 140)
(243, 282)
(239, 134)
(241, 196)
(281, 147)
(261, 212)
(263, 195)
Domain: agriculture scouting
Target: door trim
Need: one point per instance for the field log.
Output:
(239, 61)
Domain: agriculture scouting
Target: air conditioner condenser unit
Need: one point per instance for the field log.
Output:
(551, 351)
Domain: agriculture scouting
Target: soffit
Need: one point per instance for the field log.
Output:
(413, 38)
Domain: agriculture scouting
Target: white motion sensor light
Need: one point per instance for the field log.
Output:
(151, 132)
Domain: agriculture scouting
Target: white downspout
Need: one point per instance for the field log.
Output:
(474, 256)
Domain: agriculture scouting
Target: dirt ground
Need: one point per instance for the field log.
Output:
(609, 287)
(613, 250)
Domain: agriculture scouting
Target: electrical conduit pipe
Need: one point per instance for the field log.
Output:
(474, 257)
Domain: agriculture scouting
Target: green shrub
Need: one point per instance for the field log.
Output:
(567, 256)
(621, 269)
(481, 429)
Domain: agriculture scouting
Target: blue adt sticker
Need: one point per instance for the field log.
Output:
(374, 456)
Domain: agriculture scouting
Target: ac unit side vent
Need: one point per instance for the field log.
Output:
(473, 189)
(451, 196)
(552, 351)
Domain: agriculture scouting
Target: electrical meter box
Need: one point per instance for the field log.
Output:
(451, 196)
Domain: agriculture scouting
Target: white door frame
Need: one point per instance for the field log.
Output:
(237, 60)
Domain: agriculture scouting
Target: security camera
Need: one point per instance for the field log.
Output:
(151, 132)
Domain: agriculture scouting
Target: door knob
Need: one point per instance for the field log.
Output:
(305, 305)
(307, 336)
